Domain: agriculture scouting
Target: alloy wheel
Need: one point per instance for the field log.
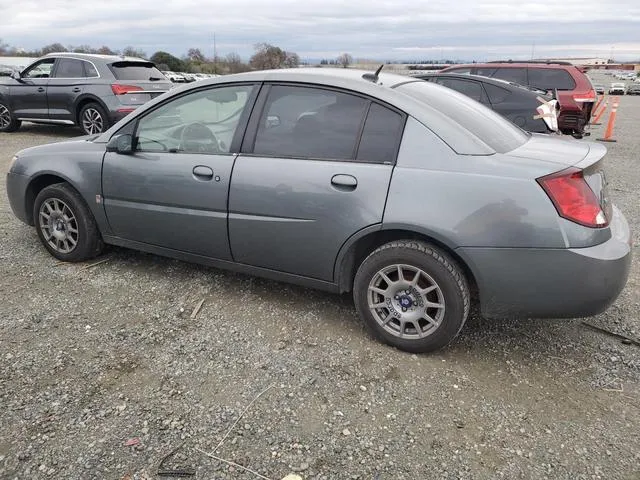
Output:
(5, 117)
(406, 301)
(92, 121)
(58, 225)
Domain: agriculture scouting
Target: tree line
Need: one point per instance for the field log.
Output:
(265, 56)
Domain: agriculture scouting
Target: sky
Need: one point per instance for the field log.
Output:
(367, 29)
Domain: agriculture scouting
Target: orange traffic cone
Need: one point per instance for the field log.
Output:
(596, 120)
(597, 105)
(612, 120)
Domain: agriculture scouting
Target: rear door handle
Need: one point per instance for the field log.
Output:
(41, 89)
(344, 182)
(202, 173)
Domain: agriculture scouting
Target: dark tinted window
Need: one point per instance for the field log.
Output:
(90, 70)
(551, 78)
(135, 71)
(309, 123)
(380, 136)
(470, 89)
(516, 75)
(70, 68)
(486, 71)
(491, 128)
(496, 94)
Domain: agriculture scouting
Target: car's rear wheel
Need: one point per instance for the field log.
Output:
(8, 122)
(93, 119)
(65, 225)
(412, 296)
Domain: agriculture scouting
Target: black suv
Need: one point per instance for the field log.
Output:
(90, 91)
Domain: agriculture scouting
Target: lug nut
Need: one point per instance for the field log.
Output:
(404, 309)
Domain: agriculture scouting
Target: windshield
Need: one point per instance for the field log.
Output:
(488, 126)
(136, 71)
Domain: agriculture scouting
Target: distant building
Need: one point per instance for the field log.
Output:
(583, 61)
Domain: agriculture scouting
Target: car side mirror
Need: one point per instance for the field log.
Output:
(121, 144)
(272, 121)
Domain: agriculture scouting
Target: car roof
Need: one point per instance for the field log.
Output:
(96, 56)
(523, 64)
(460, 139)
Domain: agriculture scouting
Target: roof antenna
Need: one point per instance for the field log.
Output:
(373, 77)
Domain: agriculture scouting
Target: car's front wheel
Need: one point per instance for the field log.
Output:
(8, 122)
(93, 119)
(65, 225)
(412, 296)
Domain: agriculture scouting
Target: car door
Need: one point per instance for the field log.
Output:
(65, 86)
(29, 93)
(172, 190)
(314, 170)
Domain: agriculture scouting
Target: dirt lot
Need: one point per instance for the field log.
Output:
(95, 357)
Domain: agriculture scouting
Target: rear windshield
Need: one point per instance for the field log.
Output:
(491, 128)
(135, 71)
(551, 78)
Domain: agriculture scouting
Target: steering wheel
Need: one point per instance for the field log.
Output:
(197, 138)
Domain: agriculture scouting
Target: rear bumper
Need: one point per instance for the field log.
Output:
(552, 283)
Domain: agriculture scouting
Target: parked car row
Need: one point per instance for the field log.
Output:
(183, 77)
(575, 92)
(402, 191)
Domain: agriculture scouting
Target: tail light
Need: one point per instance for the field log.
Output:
(123, 89)
(573, 198)
(589, 96)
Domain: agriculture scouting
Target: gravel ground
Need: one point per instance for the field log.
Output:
(104, 372)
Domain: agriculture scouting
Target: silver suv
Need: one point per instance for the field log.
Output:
(86, 90)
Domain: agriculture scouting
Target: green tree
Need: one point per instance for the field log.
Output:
(134, 52)
(269, 56)
(174, 63)
(53, 48)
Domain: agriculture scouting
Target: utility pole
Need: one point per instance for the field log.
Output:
(215, 55)
(533, 49)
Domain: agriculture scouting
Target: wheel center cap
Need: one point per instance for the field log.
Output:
(405, 301)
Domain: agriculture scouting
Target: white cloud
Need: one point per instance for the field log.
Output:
(380, 29)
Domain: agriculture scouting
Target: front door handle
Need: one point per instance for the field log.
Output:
(344, 182)
(202, 173)
(41, 89)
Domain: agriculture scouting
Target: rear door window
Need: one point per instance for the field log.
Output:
(514, 74)
(308, 122)
(143, 71)
(551, 78)
(70, 68)
(469, 88)
(380, 136)
(496, 94)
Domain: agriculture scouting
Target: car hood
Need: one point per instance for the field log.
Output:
(72, 145)
(561, 150)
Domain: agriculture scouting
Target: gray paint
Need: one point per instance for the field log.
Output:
(286, 214)
(287, 221)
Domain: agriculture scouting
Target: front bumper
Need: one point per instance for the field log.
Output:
(552, 283)
(16, 192)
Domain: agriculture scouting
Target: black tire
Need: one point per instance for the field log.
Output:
(87, 237)
(452, 291)
(8, 122)
(99, 116)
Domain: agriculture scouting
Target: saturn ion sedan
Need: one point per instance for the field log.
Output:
(409, 195)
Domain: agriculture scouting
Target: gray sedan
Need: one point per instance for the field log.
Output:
(410, 195)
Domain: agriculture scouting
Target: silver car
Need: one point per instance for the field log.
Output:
(410, 195)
